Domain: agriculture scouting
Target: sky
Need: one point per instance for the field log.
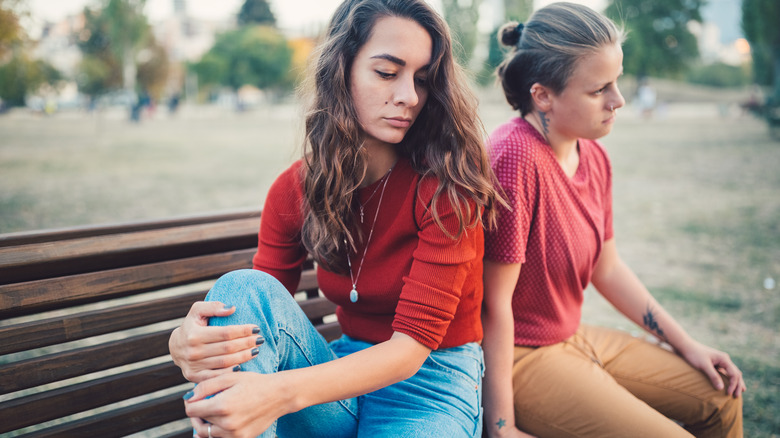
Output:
(289, 13)
(296, 14)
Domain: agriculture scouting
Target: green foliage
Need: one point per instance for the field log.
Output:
(720, 75)
(11, 32)
(110, 41)
(462, 16)
(253, 55)
(22, 75)
(152, 71)
(761, 24)
(495, 57)
(518, 10)
(659, 42)
(515, 10)
(97, 76)
(256, 12)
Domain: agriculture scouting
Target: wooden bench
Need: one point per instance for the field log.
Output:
(85, 316)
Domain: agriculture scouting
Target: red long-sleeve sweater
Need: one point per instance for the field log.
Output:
(414, 280)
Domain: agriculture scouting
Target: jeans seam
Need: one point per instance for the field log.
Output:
(307, 354)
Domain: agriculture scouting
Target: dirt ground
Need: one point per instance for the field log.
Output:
(696, 195)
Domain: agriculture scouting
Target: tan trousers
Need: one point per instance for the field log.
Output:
(606, 383)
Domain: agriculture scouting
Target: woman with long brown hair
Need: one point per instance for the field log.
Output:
(389, 199)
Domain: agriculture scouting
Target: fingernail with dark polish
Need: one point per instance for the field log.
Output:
(188, 395)
(237, 368)
(256, 330)
(259, 341)
(255, 351)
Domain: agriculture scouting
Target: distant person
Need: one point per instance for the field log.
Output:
(646, 98)
(173, 103)
(546, 373)
(389, 200)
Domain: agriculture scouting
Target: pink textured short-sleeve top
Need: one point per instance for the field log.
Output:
(556, 228)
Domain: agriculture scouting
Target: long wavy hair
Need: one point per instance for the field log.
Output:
(547, 48)
(445, 141)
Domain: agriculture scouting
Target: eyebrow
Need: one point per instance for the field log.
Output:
(391, 58)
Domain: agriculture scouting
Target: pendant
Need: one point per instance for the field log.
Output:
(353, 295)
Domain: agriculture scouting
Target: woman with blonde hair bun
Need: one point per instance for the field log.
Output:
(547, 374)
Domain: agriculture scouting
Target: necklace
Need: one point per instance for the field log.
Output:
(353, 294)
(372, 196)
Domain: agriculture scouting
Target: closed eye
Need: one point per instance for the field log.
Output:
(384, 75)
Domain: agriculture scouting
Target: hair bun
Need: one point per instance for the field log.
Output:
(510, 33)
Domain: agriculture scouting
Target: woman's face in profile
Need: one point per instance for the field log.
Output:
(388, 80)
(586, 107)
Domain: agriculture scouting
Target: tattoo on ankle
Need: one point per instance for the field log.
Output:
(545, 122)
(500, 423)
(652, 324)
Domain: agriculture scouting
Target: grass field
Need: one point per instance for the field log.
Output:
(697, 203)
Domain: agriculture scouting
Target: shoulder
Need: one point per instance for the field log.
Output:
(287, 189)
(597, 154)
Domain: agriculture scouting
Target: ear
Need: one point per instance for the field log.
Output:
(541, 96)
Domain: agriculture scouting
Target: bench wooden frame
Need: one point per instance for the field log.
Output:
(85, 316)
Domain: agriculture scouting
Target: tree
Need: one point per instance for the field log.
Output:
(659, 42)
(252, 55)
(114, 35)
(256, 12)
(761, 24)
(11, 32)
(153, 70)
(462, 16)
(514, 10)
(20, 74)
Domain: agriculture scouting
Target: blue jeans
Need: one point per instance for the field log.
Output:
(443, 399)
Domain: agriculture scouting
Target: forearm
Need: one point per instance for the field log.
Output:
(498, 347)
(356, 374)
(621, 287)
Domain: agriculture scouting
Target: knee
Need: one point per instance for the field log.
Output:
(244, 286)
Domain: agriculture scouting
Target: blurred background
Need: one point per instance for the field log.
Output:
(123, 110)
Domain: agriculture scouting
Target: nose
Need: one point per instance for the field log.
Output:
(405, 92)
(618, 101)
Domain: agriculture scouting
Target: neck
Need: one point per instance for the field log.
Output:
(381, 157)
(563, 148)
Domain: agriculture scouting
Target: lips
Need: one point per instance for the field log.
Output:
(399, 122)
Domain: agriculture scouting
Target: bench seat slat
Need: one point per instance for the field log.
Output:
(21, 299)
(78, 232)
(51, 331)
(69, 257)
(59, 366)
(120, 422)
(41, 407)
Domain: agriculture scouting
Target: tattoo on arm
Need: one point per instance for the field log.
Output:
(545, 122)
(501, 423)
(652, 324)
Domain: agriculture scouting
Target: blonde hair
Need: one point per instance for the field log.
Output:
(547, 48)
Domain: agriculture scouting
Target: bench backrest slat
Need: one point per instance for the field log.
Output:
(50, 331)
(56, 403)
(87, 254)
(21, 299)
(120, 422)
(72, 363)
